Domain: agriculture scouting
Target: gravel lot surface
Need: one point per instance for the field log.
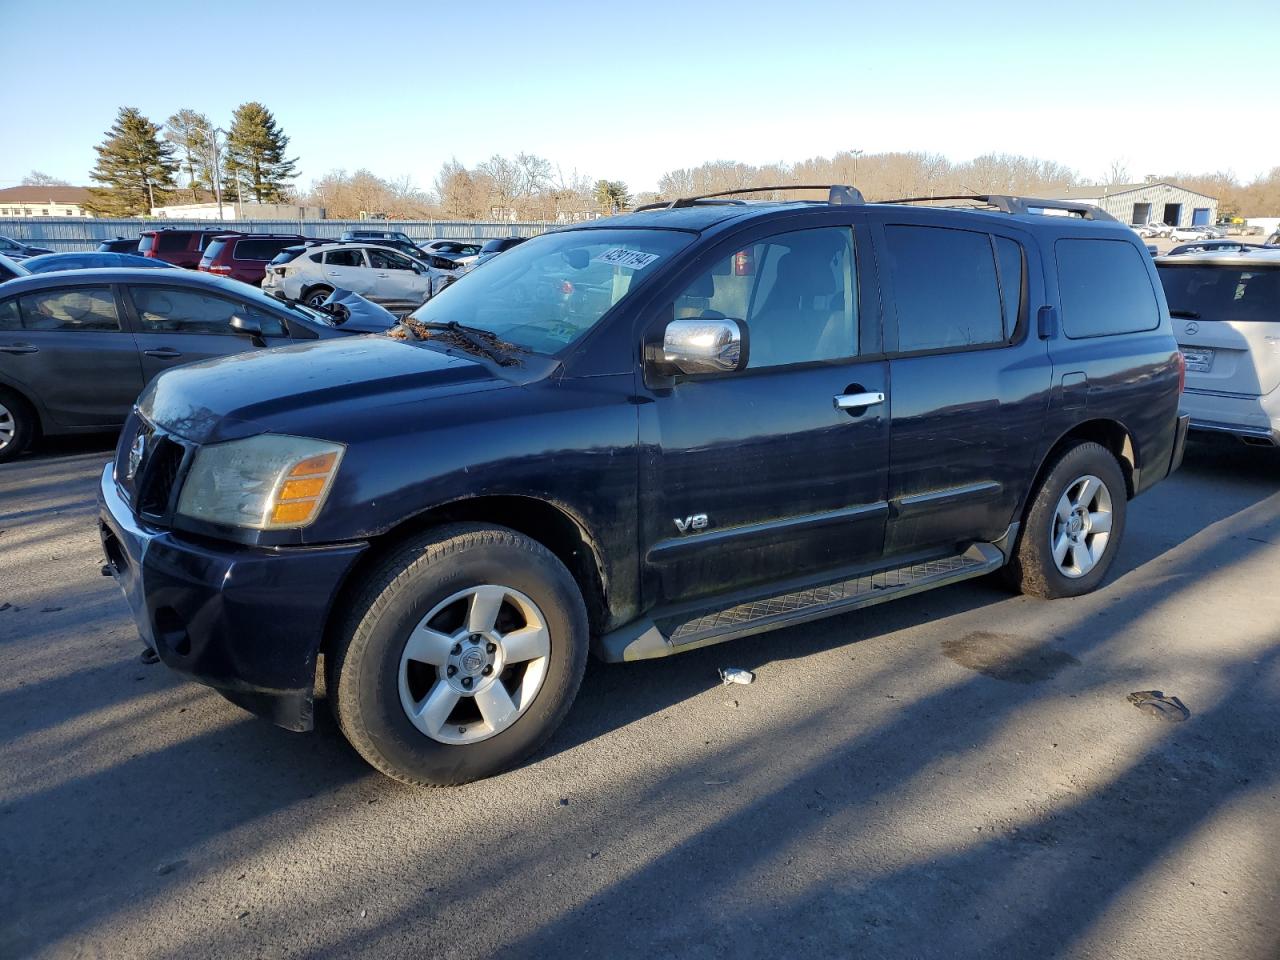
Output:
(957, 775)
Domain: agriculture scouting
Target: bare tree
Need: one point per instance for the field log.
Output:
(1117, 173)
(37, 179)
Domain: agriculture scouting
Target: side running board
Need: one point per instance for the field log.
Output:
(801, 606)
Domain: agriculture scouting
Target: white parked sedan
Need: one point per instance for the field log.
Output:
(385, 276)
(1226, 317)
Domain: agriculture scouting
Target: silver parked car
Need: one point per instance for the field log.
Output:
(1226, 316)
(387, 277)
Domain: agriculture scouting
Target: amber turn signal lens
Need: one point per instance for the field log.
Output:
(297, 511)
(302, 489)
(313, 465)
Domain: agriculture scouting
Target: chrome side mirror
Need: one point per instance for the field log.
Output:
(705, 346)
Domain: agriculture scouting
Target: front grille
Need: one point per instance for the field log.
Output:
(157, 476)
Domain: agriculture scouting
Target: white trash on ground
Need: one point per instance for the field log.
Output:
(736, 675)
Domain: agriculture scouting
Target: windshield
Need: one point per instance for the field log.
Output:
(1248, 294)
(547, 293)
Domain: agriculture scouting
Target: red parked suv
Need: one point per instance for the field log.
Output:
(182, 248)
(245, 256)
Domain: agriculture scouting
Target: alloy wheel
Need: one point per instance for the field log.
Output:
(1081, 526)
(474, 664)
(8, 426)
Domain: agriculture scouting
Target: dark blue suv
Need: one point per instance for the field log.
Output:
(642, 435)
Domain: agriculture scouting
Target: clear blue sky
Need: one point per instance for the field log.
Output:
(628, 91)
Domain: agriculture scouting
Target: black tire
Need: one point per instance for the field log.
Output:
(315, 296)
(364, 663)
(1033, 569)
(18, 425)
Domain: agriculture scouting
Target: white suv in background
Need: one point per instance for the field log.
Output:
(1194, 233)
(385, 276)
(1226, 317)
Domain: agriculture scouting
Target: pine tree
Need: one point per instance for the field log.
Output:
(192, 136)
(256, 155)
(134, 165)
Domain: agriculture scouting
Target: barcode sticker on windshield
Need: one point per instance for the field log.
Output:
(621, 257)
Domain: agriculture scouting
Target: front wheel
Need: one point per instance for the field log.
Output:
(1073, 526)
(460, 656)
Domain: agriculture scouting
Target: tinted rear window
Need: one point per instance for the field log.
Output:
(946, 288)
(260, 249)
(215, 250)
(1105, 288)
(289, 254)
(169, 242)
(1222, 293)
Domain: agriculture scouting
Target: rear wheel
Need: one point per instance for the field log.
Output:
(316, 296)
(17, 425)
(1074, 525)
(460, 656)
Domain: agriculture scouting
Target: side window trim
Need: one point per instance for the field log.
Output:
(888, 282)
(863, 311)
(121, 323)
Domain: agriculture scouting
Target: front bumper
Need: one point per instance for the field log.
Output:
(246, 621)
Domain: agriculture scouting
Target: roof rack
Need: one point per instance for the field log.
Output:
(1019, 205)
(837, 195)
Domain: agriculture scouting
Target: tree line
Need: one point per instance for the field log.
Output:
(142, 164)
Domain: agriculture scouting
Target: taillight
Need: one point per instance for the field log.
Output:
(219, 268)
(1182, 372)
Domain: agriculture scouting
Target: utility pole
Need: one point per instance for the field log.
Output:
(856, 155)
(217, 168)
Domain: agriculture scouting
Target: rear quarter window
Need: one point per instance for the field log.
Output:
(1105, 288)
(169, 242)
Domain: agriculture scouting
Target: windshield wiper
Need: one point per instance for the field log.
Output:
(481, 341)
(1184, 314)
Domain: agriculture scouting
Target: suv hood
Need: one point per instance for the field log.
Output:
(309, 387)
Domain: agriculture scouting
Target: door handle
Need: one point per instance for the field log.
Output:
(383, 275)
(857, 401)
(164, 353)
(333, 273)
(18, 348)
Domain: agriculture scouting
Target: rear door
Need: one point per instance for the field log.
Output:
(756, 478)
(1226, 319)
(176, 325)
(68, 350)
(970, 381)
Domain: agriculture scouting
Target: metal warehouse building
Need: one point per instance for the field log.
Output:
(1152, 202)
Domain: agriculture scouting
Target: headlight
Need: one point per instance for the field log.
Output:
(268, 482)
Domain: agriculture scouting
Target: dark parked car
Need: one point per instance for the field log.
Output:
(1214, 246)
(245, 256)
(11, 268)
(49, 262)
(17, 250)
(494, 247)
(76, 348)
(643, 435)
(119, 245)
(385, 238)
(182, 248)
